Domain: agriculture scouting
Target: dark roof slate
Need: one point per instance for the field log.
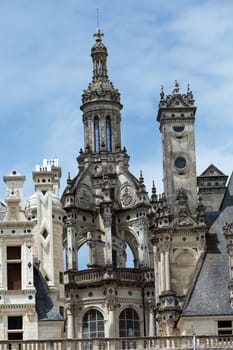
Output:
(44, 306)
(210, 295)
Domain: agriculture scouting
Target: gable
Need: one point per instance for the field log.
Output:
(177, 102)
(212, 170)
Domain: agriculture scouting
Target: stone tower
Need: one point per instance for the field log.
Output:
(106, 211)
(177, 218)
(176, 116)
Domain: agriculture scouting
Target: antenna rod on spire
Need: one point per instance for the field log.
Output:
(97, 17)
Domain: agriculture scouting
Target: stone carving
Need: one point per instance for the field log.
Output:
(127, 196)
(228, 229)
(84, 197)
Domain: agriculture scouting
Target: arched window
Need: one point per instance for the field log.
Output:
(93, 324)
(96, 134)
(108, 135)
(129, 323)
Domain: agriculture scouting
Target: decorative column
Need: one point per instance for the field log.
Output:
(107, 216)
(167, 271)
(156, 273)
(111, 320)
(151, 321)
(70, 322)
(162, 271)
(71, 253)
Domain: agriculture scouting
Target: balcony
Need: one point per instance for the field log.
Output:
(161, 343)
(99, 275)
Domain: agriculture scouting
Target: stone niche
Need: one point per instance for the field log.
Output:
(183, 264)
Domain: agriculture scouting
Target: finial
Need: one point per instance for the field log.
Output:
(98, 32)
(188, 88)
(162, 92)
(141, 179)
(68, 181)
(154, 196)
(176, 87)
(153, 187)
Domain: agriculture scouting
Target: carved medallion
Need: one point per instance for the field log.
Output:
(84, 197)
(127, 196)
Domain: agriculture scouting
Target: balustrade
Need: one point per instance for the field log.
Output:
(148, 343)
(95, 275)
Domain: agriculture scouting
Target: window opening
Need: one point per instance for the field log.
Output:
(225, 327)
(114, 258)
(129, 323)
(93, 324)
(96, 134)
(83, 253)
(15, 328)
(108, 135)
(14, 268)
(130, 259)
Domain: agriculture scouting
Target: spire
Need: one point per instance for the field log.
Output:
(101, 121)
(99, 55)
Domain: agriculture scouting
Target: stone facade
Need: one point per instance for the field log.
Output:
(31, 260)
(180, 281)
(172, 236)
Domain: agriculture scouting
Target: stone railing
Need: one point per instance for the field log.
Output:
(157, 343)
(99, 274)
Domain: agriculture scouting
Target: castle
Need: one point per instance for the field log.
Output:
(181, 281)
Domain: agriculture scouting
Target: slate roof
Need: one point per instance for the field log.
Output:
(44, 306)
(210, 295)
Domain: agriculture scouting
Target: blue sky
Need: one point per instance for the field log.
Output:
(45, 64)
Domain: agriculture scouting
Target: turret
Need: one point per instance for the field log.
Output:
(101, 105)
(176, 116)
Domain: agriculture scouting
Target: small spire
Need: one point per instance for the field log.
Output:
(153, 187)
(176, 87)
(68, 181)
(154, 196)
(141, 179)
(188, 88)
(98, 34)
(161, 92)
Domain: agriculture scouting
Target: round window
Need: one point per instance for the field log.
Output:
(180, 163)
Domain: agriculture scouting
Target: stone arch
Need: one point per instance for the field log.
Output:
(94, 246)
(131, 240)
